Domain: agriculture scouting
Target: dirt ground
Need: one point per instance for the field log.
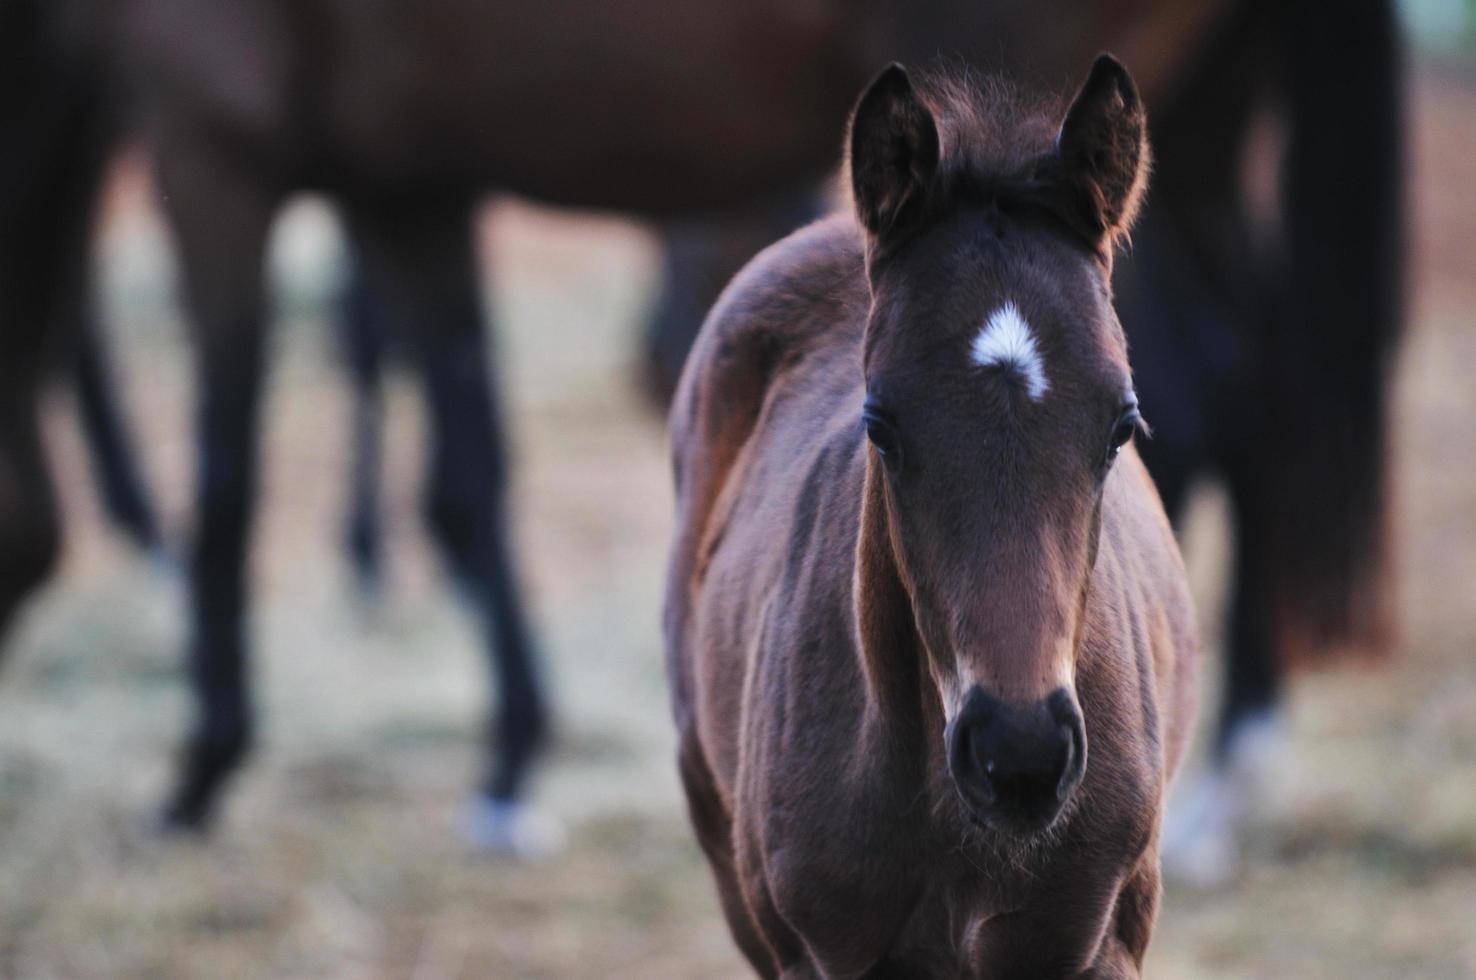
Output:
(339, 852)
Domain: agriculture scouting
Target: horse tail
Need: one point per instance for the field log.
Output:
(1332, 355)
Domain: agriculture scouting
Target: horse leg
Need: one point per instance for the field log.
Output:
(59, 131)
(30, 529)
(363, 333)
(1206, 271)
(698, 259)
(1247, 726)
(694, 268)
(102, 421)
(30, 526)
(221, 218)
(1201, 843)
(425, 260)
(103, 426)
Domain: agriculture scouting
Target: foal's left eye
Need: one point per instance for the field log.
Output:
(1122, 431)
(883, 435)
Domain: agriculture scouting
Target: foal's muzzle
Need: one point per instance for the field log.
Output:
(1015, 765)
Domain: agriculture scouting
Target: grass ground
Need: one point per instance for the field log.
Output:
(338, 854)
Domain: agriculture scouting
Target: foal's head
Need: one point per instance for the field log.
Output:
(998, 396)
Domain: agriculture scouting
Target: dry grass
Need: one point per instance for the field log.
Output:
(338, 854)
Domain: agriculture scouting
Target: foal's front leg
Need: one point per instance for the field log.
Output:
(1070, 934)
(1126, 942)
(221, 218)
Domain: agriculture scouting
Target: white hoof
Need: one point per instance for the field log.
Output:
(163, 567)
(1207, 815)
(513, 829)
(1200, 835)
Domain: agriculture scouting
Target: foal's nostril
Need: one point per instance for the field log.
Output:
(970, 764)
(1021, 762)
(1024, 761)
(1073, 728)
(1063, 778)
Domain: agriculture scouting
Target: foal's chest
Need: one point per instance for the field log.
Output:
(926, 909)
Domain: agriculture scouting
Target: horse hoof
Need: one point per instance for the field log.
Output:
(368, 594)
(178, 822)
(163, 566)
(513, 829)
(1207, 815)
(1200, 847)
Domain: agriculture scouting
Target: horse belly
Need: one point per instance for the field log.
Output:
(636, 106)
(223, 68)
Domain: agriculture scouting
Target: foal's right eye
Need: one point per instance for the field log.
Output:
(1127, 423)
(883, 435)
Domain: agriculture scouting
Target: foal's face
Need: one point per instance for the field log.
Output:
(998, 396)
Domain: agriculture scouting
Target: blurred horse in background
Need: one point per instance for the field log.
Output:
(125, 496)
(407, 114)
(1264, 340)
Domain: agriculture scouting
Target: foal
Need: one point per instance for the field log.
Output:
(929, 636)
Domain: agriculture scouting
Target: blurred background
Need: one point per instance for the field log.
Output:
(339, 853)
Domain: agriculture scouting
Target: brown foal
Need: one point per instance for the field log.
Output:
(931, 647)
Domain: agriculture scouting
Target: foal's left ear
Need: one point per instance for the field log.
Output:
(893, 153)
(1102, 148)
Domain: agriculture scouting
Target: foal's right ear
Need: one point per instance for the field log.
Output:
(893, 152)
(1102, 149)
